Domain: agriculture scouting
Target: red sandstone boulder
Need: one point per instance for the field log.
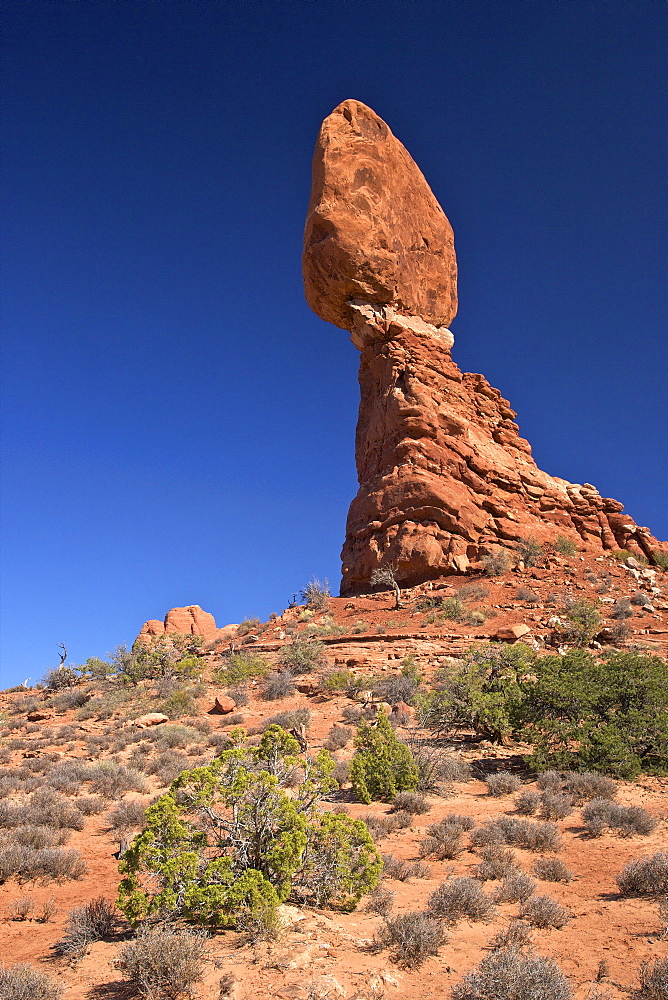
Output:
(511, 633)
(150, 719)
(223, 705)
(374, 230)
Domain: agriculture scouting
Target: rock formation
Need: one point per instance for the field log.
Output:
(188, 621)
(445, 478)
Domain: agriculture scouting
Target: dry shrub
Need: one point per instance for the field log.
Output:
(341, 772)
(601, 814)
(278, 685)
(92, 922)
(460, 897)
(380, 901)
(164, 963)
(338, 737)
(549, 781)
(589, 785)
(555, 805)
(92, 805)
(543, 911)
(497, 863)
(394, 867)
(380, 826)
(516, 935)
(502, 783)
(41, 836)
(518, 832)
(654, 980)
(411, 802)
(552, 870)
(47, 911)
(46, 808)
(645, 876)
(126, 815)
(412, 937)
(48, 864)
(294, 718)
(527, 803)
(515, 888)
(445, 843)
(513, 974)
(22, 908)
(23, 982)
(111, 779)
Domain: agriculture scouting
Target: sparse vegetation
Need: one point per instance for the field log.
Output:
(502, 783)
(496, 563)
(530, 551)
(386, 576)
(316, 594)
(552, 870)
(518, 832)
(496, 863)
(227, 842)
(91, 922)
(412, 937)
(24, 982)
(645, 876)
(381, 766)
(513, 974)
(565, 546)
(528, 802)
(543, 911)
(338, 737)
(301, 656)
(654, 980)
(602, 814)
(515, 888)
(278, 685)
(458, 898)
(162, 962)
(381, 901)
(411, 802)
(241, 667)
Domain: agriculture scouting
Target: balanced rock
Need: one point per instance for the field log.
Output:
(446, 481)
(375, 233)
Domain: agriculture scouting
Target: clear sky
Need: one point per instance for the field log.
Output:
(178, 427)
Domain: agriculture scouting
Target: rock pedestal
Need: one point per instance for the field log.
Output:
(445, 478)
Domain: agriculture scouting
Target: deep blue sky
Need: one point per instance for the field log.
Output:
(178, 426)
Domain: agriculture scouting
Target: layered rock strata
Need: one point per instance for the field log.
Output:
(445, 478)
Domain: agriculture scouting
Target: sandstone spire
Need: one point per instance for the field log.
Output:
(445, 479)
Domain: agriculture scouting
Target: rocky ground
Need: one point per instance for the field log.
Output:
(327, 953)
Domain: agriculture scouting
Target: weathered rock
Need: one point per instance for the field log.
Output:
(446, 481)
(39, 715)
(187, 621)
(374, 231)
(511, 633)
(150, 719)
(223, 705)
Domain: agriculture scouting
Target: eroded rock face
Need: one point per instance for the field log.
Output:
(374, 231)
(445, 478)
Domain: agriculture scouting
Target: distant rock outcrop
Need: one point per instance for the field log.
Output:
(188, 621)
(445, 478)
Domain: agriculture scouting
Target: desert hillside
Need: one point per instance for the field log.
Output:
(84, 754)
